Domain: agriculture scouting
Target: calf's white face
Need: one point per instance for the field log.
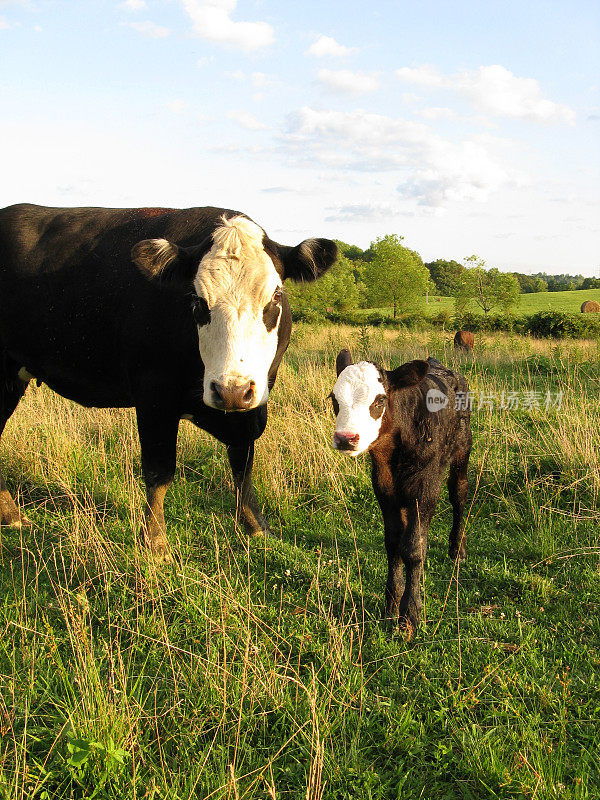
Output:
(237, 313)
(359, 401)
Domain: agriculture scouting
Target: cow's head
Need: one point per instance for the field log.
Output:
(235, 279)
(360, 398)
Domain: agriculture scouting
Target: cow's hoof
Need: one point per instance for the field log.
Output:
(160, 552)
(456, 555)
(17, 521)
(256, 525)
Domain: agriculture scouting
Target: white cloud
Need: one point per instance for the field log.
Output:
(425, 75)
(370, 210)
(437, 113)
(177, 106)
(435, 171)
(348, 82)
(134, 5)
(494, 90)
(4, 26)
(211, 20)
(247, 120)
(150, 29)
(326, 46)
(262, 80)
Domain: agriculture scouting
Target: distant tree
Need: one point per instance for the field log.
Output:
(530, 284)
(488, 289)
(590, 283)
(445, 275)
(395, 275)
(338, 289)
(351, 251)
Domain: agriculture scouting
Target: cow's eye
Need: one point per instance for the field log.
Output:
(277, 295)
(200, 310)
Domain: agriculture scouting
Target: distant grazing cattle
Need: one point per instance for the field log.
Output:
(177, 313)
(415, 422)
(590, 306)
(464, 340)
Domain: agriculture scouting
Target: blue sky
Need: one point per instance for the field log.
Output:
(466, 127)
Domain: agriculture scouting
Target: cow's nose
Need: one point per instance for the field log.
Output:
(346, 441)
(233, 396)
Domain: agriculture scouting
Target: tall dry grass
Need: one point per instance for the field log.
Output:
(244, 669)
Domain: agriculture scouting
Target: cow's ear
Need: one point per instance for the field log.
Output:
(343, 360)
(308, 260)
(161, 260)
(409, 374)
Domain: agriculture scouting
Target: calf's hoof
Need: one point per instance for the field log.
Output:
(457, 554)
(406, 628)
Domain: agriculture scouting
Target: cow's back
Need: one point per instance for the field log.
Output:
(37, 239)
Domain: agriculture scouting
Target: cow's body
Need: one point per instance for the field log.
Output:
(412, 439)
(464, 340)
(77, 313)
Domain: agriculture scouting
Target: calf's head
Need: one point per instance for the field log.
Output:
(235, 283)
(361, 397)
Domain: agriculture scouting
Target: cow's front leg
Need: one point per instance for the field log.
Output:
(241, 459)
(158, 441)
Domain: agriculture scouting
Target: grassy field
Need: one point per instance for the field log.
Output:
(261, 669)
(530, 303)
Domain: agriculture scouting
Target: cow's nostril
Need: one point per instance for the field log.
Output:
(217, 389)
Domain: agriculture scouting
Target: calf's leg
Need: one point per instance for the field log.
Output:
(413, 549)
(406, 529)
(241, 459)
(395, 530)
(458, 490)
(12, 389)
(158, 440)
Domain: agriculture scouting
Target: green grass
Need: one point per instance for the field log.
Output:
(529, 304)
(261, 669)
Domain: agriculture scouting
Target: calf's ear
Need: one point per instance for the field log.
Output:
(343, 360)
(161, 260)
(408, 374)
(308, 260)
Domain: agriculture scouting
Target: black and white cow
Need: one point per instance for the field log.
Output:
(415, 426)
(178, 313)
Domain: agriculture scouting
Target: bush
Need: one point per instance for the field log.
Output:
(561, 325)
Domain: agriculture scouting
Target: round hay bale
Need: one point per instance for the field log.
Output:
(590, 307)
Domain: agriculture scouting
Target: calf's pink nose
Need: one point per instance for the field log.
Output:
(346, 441)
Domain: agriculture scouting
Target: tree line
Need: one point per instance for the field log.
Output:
(389, 274)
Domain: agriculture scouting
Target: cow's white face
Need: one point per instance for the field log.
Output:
(359, 401)
(237, 300)
(238, 312)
